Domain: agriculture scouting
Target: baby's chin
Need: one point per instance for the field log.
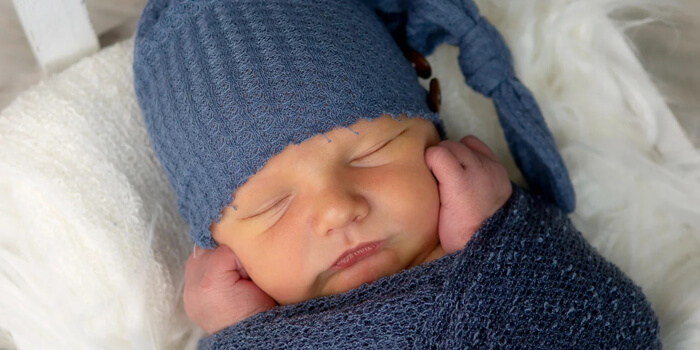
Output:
(436, 253)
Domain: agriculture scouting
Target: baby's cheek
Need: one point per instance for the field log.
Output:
(428, 197)
(417, 198)
(278, 280)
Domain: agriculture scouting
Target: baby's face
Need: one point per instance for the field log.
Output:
(322, 218)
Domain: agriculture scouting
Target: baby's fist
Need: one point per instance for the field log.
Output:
(217, 291)
(473, 185)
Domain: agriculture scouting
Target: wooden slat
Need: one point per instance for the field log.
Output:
(59, 31)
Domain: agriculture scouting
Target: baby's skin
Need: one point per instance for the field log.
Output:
(322, 218)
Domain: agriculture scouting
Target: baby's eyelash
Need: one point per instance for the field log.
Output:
(270, 209)
(372, 154)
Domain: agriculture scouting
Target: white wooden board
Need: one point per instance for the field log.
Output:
(59, 31)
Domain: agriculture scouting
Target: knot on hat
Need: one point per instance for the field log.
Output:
(487, 65)
(485, 57)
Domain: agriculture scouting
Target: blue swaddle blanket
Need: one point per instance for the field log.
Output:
(527, 279)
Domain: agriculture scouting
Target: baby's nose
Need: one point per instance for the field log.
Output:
(338, 207)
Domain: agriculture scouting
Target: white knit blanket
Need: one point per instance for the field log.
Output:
(92, 248)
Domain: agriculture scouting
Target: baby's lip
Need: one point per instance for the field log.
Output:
(353, 255)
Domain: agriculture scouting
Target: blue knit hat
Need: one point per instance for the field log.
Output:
(226, 85)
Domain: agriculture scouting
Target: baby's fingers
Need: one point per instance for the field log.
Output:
(223, 261)
(442, 163)
(477, 145)
(197, 264)
(466, 157)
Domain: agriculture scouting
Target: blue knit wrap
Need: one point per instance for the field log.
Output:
(226, 85)
(526, 280)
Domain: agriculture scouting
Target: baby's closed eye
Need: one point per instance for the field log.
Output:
(369, 157)
(272, 207)
(373, 153)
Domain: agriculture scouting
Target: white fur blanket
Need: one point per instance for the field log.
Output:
(92, 249)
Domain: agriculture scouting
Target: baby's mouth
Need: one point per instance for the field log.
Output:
(353, 255)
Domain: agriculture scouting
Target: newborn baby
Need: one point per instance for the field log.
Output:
(308, 162)
(322, 218)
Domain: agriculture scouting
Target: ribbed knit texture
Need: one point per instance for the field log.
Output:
(526, 280)
(226, 85)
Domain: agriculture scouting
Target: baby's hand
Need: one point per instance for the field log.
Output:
(473, 185)
(218, 292)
